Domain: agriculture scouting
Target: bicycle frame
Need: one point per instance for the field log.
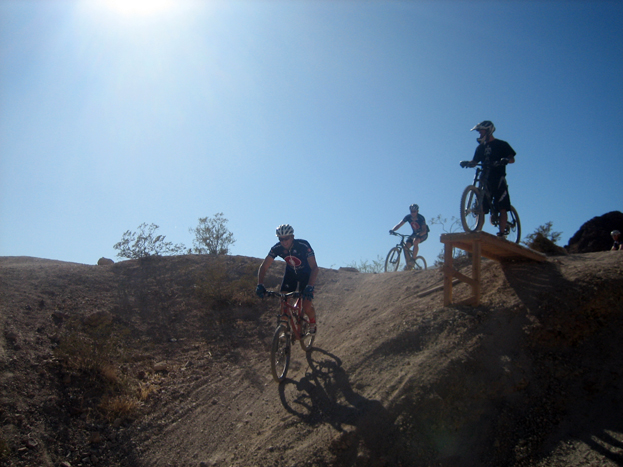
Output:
(480, 181)
(473, 201)
(290, 314)
(420, 262)
(290, 320)
(403, 244)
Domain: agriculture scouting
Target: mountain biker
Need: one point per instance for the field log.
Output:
(301, 269)
(420, 230)
(498, 153)
(616, 236)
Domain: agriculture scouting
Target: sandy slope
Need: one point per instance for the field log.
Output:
(532, 376)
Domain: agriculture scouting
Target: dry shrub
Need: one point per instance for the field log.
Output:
(5, 449)
(223, 286)
(92, 356)
(539, 242)
(144, 390)
(109, 374)
(119, 407)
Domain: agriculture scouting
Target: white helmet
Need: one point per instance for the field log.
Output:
(284, 230)
(486, 125)
(615, 232)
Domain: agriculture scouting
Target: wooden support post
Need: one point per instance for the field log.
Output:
(476, 272)
(447, 277)
(478, 244)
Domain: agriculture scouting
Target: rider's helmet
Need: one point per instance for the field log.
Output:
(615, 232)
(284, 230)
(414, 207)
(489, 128)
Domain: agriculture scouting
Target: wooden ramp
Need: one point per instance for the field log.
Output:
(479, 244)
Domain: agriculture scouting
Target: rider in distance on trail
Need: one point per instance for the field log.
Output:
(420, 230)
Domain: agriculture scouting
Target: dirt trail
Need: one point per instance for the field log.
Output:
(532, 376)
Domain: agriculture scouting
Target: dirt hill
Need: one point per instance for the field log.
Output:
(164, 361)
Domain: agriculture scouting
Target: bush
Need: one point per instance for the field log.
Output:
(545, 231)
(459, 256)
(376, 266)
(212, 236)
(144, 243)
(544, 240)
(223, 288)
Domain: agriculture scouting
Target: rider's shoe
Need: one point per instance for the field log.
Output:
(312, 328)
(495, 218)
(505, 233)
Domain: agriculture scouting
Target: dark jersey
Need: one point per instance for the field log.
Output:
(296, 256)
(493, 151)
(417, 223)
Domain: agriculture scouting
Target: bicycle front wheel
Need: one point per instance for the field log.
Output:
(280, 353)
(472, 215)
(307, 339)
(513, 225)
(420, 263)
(393, 259)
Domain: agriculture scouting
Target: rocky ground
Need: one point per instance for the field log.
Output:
(164, 361)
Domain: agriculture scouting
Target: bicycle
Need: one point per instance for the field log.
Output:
(472, 207)
(392, 262)
(292, 324)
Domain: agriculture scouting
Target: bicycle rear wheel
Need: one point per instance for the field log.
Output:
(307, 339)
(420, 263)
(280, 353)
(393, 259)
(514, 226)
(472, 215)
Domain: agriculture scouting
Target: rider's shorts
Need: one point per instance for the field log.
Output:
(292, 279)
(414, 236)
(499, 194)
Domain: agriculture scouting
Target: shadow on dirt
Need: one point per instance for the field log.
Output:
(577, 353)
(325, 395)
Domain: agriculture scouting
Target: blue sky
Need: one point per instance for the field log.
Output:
(333, 116)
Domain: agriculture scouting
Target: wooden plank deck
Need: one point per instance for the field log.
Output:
(479, 244)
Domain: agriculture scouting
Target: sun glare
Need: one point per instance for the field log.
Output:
(138, 7)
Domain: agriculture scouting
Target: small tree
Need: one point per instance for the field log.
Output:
(134, 245)
(455, 224)
(544, 230)
(544, 240)
(212, 236)
(376, 266)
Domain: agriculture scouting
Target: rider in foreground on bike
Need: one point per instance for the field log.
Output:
(497, 153)
(301, 269)
(420, 230)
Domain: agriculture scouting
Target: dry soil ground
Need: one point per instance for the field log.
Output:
(164, 361)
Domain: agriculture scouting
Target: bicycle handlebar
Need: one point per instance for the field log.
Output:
(399, 234)
(271, 293)
(503, 161)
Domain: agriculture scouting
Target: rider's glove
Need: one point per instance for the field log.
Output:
(391, 232)
(465, 164)
(260, 290)
(308, 293)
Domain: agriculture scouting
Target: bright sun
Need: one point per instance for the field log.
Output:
(138, 7)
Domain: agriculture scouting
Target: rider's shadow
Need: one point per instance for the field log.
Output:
(325, 395)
